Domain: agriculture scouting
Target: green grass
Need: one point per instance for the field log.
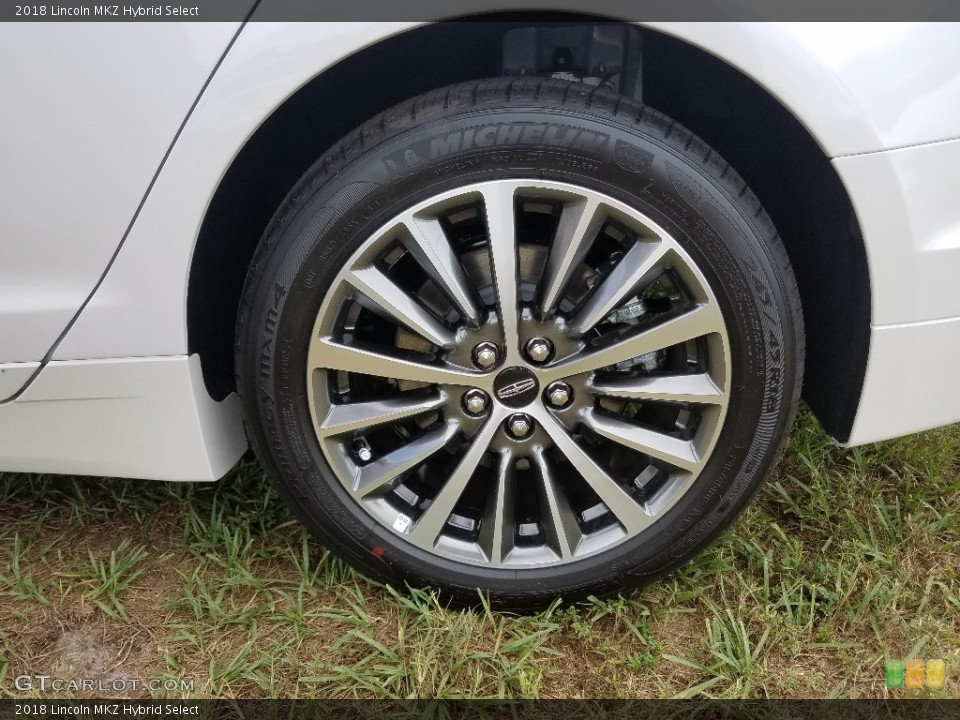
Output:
(846, 558)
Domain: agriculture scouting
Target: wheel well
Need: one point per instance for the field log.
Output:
(770, 149)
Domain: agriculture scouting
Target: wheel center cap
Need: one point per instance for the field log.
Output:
(516, 387)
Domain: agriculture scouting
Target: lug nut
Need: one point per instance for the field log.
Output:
(519, 425)
(539, 349)
(485, 355)
(559, 394)
(475, 402)
(364, 454)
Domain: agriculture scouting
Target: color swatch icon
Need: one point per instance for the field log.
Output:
(915, 673)
(936, 673)
(895, 673)
(915, 677)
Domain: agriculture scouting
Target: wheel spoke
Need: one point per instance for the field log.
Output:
(432, 250)
(679, 453)
(384, 297)
(351, 417)
(698, 388)
(385, 470)
(560, 525)
(327, 354)
(498, 524)
(701, 320)
(627, 511)
(498, 200)
(429, 525)
(580, 221)
(642, 264)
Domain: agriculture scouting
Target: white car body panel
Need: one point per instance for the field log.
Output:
(13, 376)
(857, 87)
(853, 86)
(149, 418)
(908, 204)
(911, 381)
(82, 137)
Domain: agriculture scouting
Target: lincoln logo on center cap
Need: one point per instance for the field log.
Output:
(515, 387)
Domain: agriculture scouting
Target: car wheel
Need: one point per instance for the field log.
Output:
(522, 336)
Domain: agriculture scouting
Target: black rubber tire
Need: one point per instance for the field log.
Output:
(554, 130)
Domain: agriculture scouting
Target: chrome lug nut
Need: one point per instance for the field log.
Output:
(519, 425)
(559, 394)
(486, 355)
(539, 349)
(364, 454)
(475, 402)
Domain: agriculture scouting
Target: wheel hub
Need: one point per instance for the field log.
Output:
(516, 387)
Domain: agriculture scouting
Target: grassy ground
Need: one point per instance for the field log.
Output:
(847, 557)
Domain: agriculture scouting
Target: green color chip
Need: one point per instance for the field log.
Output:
(895, 673)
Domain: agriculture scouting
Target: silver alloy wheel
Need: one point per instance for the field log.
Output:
(635, 333)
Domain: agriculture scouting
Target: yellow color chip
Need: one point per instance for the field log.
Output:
(936, 673)
(914, 673)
